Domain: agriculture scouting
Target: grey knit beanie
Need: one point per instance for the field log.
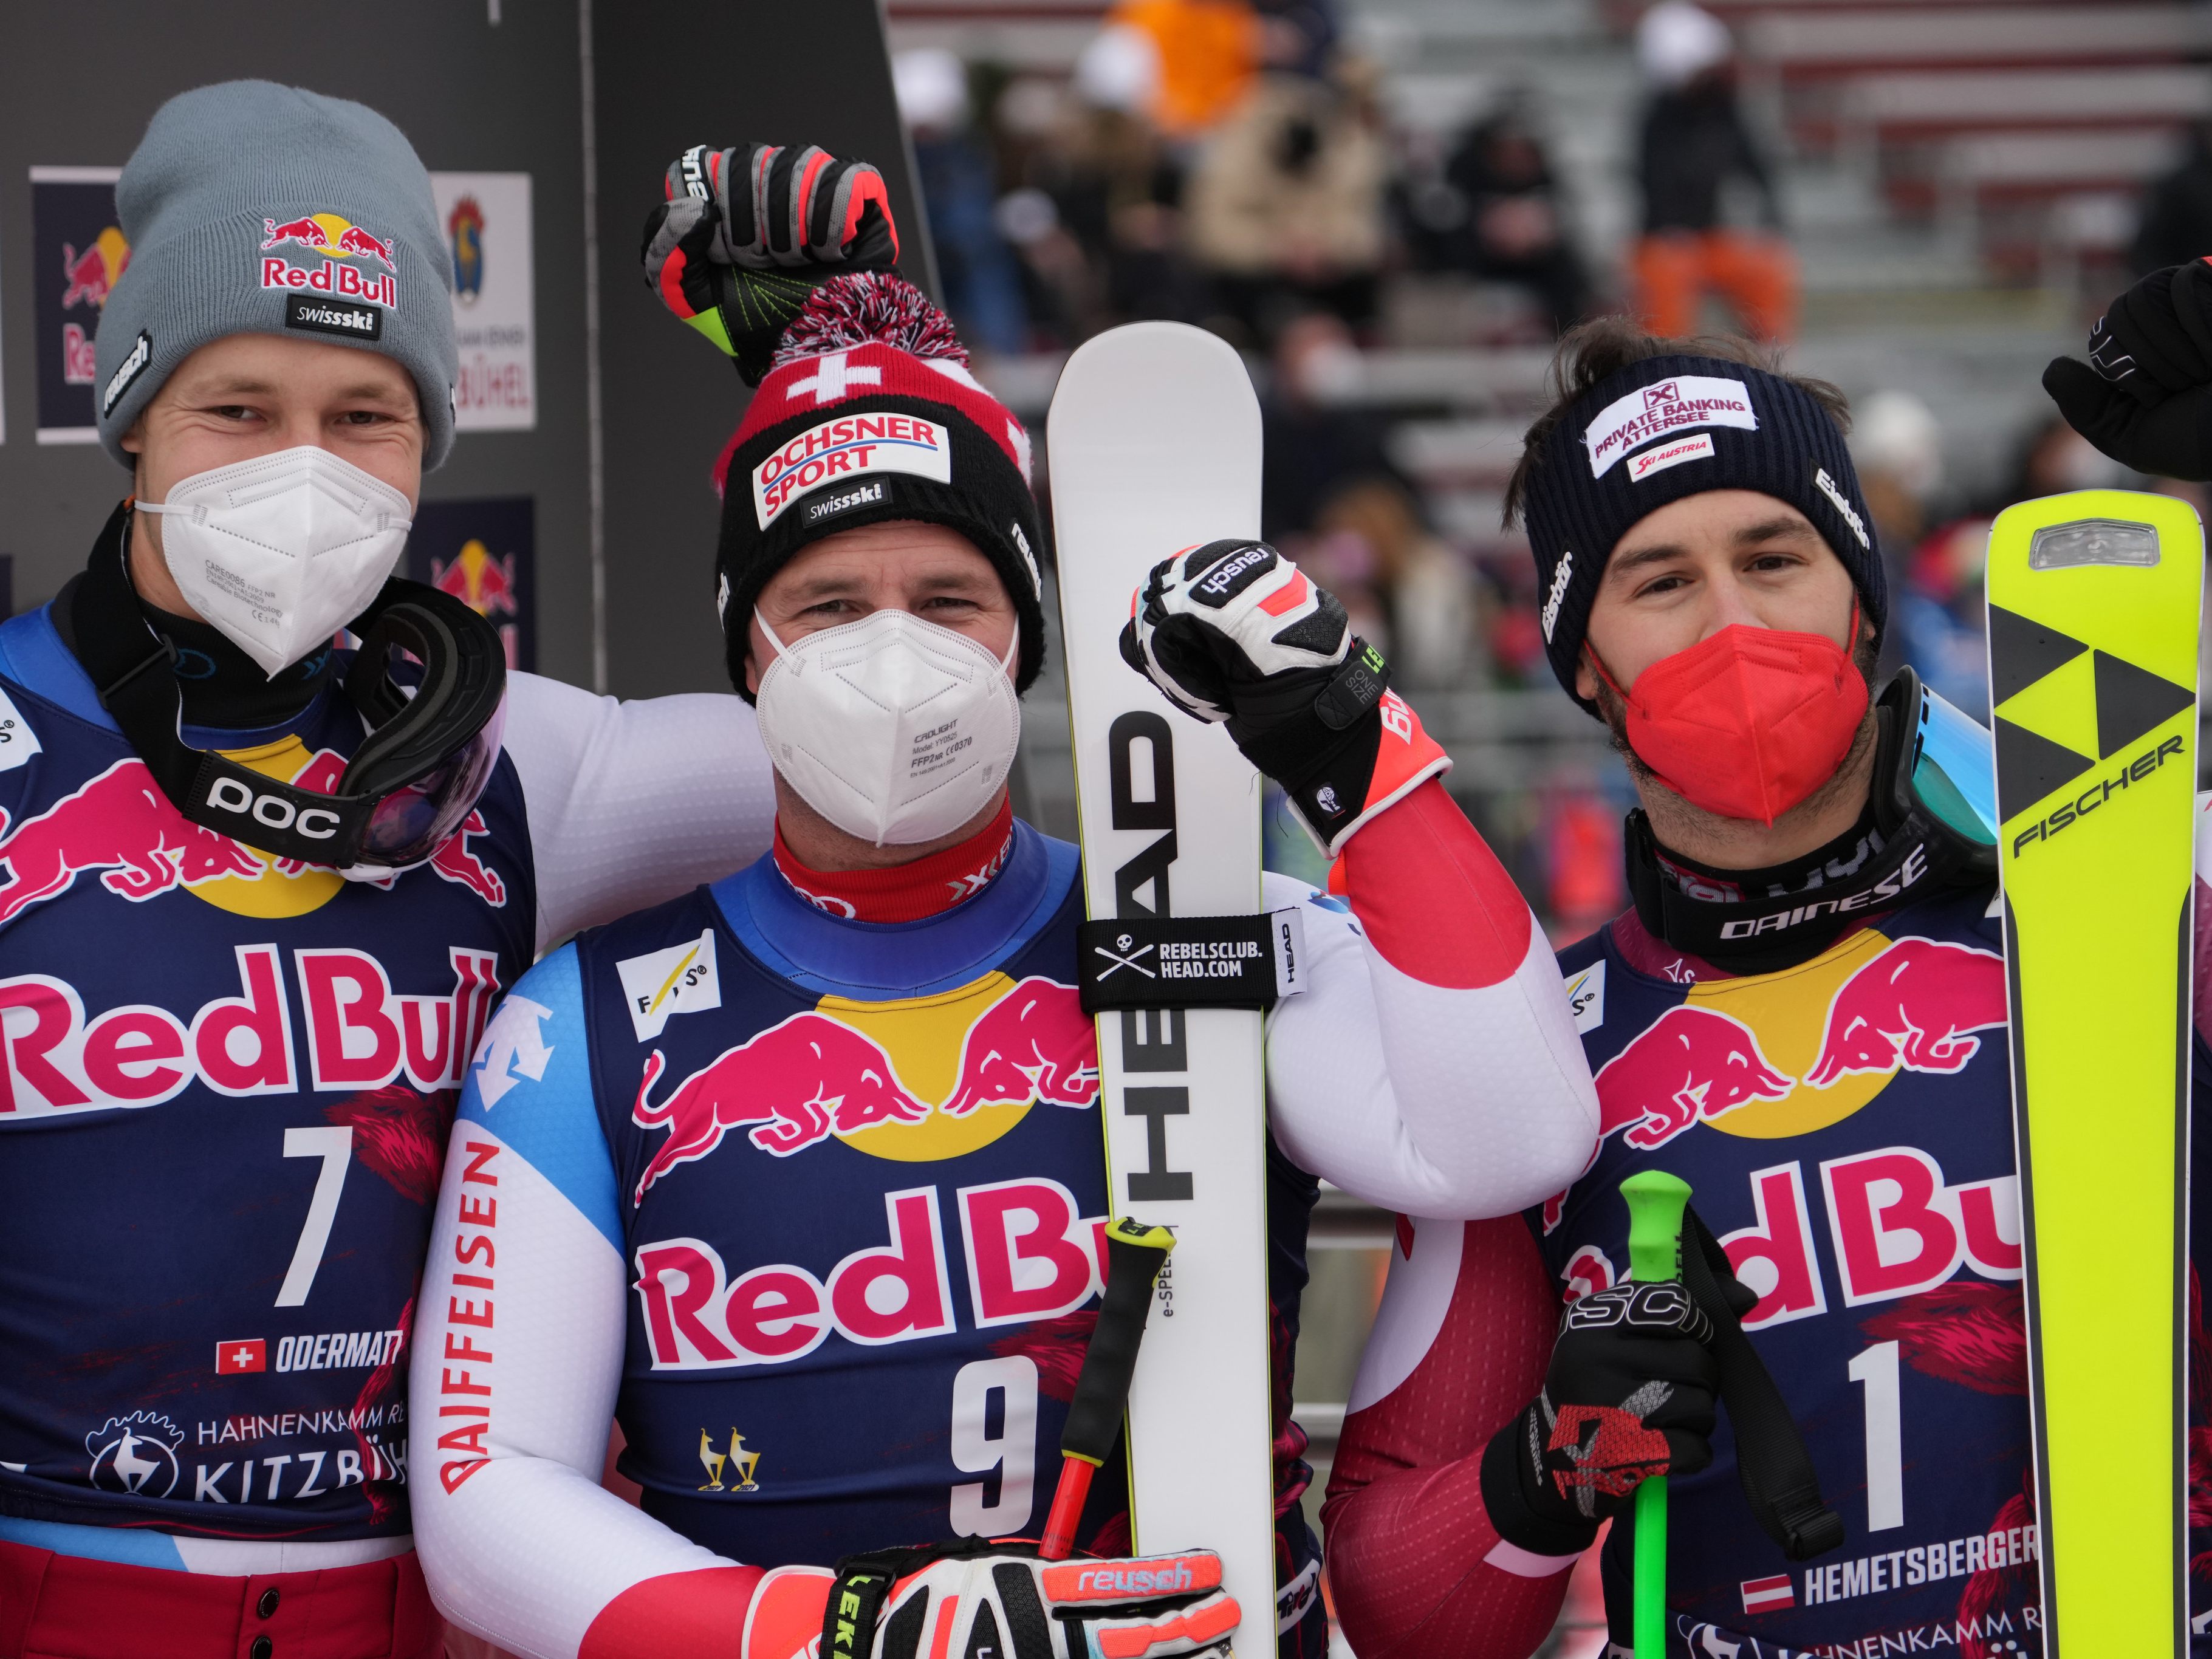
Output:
(256, 209)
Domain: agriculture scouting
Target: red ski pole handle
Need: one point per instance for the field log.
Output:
(1134, 1256)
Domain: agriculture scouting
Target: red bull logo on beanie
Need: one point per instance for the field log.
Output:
(1654, 411)
(347, 251)
(846, 447)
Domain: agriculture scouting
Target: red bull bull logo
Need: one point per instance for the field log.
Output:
(92, 274)
(1691, 1063)
(1753, 1061)
(813, 1076)
(343, 247)
(1913, 1007)
(121, 825)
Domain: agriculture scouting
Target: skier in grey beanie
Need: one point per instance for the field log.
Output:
(256, 209)
(211, 820)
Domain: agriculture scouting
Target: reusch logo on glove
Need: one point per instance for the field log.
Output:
(1653, 412)
(1232, 576)
(847, 447)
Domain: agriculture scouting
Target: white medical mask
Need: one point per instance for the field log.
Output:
(281, 552)
(896, 730)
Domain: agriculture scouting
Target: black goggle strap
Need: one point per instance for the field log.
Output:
(130, 667)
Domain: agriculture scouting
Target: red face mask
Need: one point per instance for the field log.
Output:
(1747, 723)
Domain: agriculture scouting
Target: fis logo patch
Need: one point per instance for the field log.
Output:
(680, 980)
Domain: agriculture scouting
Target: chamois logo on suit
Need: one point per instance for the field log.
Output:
(136, 1453)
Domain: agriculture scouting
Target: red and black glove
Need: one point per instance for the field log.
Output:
(745, 234)
(1233, 631)
(993, 1599)
(2145, 396)
(1631, 1393)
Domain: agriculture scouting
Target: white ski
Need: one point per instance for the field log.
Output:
(1154, 444)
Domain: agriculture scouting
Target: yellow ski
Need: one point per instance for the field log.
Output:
(2093, 607)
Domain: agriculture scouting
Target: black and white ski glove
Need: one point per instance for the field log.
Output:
(2145, 396)
(745, 234)
(1630, 1394)
(1233, 631)
(1004, 1603)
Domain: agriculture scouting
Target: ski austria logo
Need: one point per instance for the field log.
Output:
(846, 447)
(136, 1455)
(1645, 463)
(349, 253)
(1653, 412)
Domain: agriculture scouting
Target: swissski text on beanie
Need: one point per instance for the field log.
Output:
(1670, 427)
(870, 415)
(256, 209)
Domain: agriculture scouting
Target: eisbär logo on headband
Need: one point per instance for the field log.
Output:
(1653, 412)
(846, 447)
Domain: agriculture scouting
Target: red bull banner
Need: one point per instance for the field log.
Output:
(78, 253)
(485, 553)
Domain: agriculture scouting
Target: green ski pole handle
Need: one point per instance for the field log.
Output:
(1656, 1202)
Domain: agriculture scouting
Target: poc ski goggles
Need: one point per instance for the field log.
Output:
(429, 683)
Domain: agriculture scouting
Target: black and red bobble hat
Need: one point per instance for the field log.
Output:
(870, 414)
(1668, 427)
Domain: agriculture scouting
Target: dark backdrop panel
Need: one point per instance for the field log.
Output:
(79, 80)
(811, 74)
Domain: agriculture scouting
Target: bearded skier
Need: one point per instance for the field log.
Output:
(1804, 1016)
(804, 1179)
(260, 896)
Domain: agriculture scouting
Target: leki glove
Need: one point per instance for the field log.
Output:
(2145, 396)
(1233, 631)
(1002, 1603)
(745, 234)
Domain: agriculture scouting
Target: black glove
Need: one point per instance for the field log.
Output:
(2145, 396)
(1234, 631)
(1007, 1604)
(1630, 1394)
(745, 234)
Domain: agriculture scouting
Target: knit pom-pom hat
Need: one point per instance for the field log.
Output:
(870, 414)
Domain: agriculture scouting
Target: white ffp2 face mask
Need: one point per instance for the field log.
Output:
(281, 552)
(896, 730)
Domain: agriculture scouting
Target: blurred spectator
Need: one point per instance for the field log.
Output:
(1897, 445)
(1316, 442)
(959, 189)
(1207, 52)
(2177, 212)
(1423, 591)
(1285, 203)
(1940, 620)
(1116, 190)
(1495, 212)
(1694, 144)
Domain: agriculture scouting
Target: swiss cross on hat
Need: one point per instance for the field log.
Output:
(871, 415)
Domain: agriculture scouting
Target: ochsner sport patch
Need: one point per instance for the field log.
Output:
(846, 447)
(1653, 412)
